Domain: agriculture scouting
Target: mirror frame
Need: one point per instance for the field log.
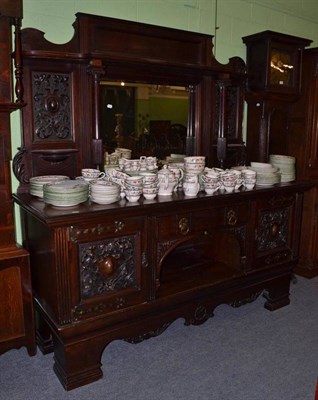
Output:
(61, 119)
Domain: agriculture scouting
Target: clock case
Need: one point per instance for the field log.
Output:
(268, 102)
(260, 50)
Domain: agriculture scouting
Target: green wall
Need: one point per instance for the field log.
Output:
(227, 20)
(156, 108)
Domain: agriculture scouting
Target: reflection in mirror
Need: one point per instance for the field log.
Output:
(150, 120)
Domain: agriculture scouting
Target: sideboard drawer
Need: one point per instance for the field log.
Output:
(221, 217)
(200, 221)
(172, 226)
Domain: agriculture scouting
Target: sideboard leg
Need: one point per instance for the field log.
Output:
(78, 364)
(277, 294)
(43, 334)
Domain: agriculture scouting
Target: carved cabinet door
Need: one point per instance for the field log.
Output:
(109, 265)
(273, 241)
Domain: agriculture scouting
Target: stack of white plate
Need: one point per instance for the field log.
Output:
(286, 164)
(37, 182)
(66, 193)
(266, 173)
(104, 192)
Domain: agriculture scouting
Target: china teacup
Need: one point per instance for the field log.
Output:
(151, 163)
(249, 183)
(134, 180)
(91, 173)
(211, 187)
(149, 178)
(229, 186)
(135, 165)
(122, 163)
(248, 173)
(210, 178)
(150, 193)
(133, 195)
(126, 163)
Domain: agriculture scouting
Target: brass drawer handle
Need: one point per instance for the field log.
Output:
(184, 226)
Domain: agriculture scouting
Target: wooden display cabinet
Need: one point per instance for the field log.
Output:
(16, 306)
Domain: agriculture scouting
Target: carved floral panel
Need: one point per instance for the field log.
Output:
(107, 266)
(273, 229)
(51, 94)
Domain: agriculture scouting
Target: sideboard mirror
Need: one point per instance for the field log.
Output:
(71, 117)
(148, 119)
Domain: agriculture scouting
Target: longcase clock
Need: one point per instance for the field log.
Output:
(274, 64)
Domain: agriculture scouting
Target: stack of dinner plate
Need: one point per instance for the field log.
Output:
(267, 174)
(286, 164)
(37, 182)
(66, 193)
(104, 191)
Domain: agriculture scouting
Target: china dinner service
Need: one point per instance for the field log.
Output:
(134, 166)
(66, 193)
(104, 191)
(211, 181)
(267, 174)
(286, 165)
(133, 186)
(191, 175)
(37, 183)
(146, 184)
(193, 165)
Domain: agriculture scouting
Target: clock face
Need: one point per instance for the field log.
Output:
(282, 68)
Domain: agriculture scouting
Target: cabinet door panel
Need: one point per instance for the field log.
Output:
(11, 300)
(110, 268)
(274, 232)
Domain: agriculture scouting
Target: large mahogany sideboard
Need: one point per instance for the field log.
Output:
(128, 270)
